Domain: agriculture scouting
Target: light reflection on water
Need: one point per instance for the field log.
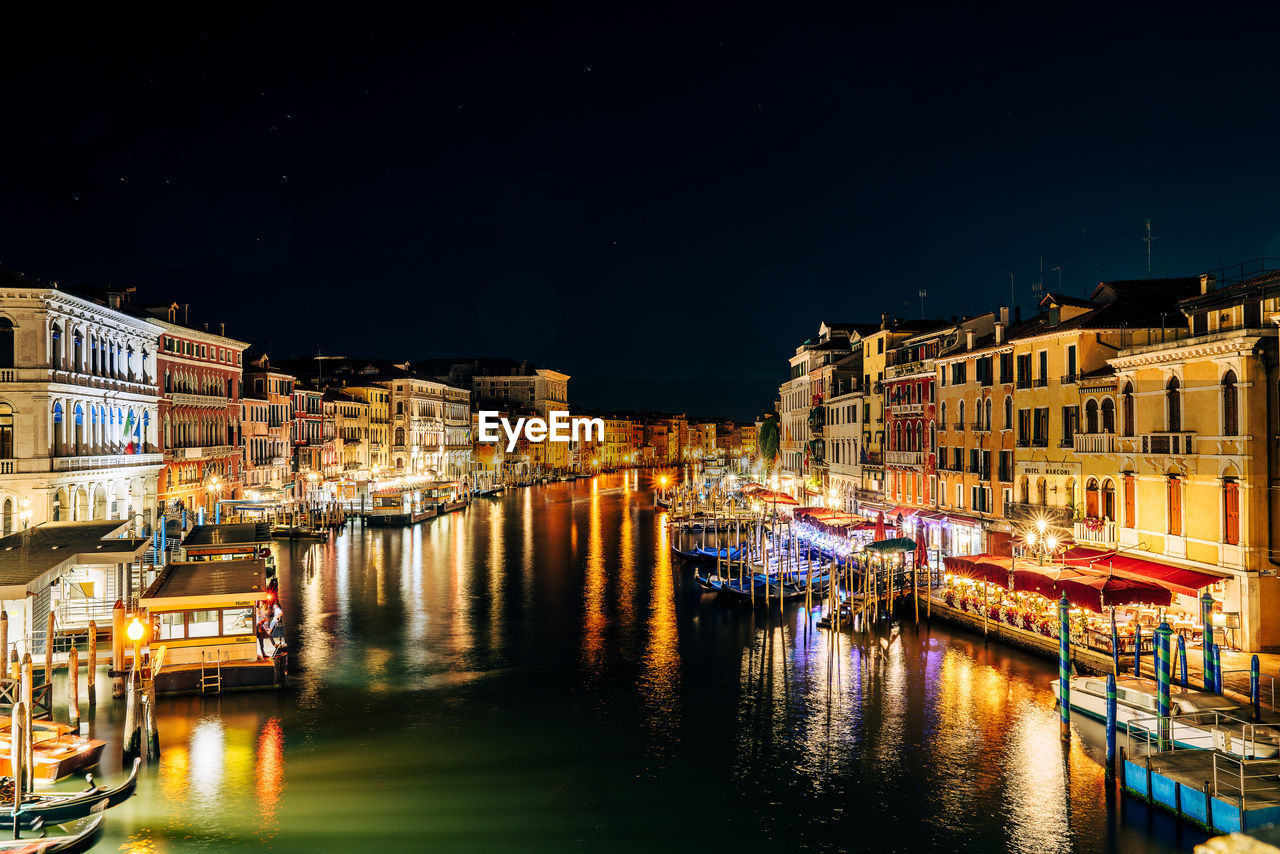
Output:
(540, 673)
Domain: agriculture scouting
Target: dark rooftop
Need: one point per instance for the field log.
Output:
(27, 555)
(221, 536)
(209, 578)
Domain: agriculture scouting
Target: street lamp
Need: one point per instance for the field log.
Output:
(1040, 543)
(25, 515)
(215, 492)
(135, 632)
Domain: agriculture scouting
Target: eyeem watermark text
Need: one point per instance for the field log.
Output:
(561, 428)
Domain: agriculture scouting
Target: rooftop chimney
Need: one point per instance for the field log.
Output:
(113, 300)
(1208, 282)
(222, 328)
(1000, 328)
(185, 311)
(1004, 314)
(968, 339)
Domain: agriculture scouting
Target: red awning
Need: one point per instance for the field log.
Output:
(1188, 582)
(1083, 587)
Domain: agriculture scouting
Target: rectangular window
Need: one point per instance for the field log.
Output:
(1006, 367)
(1070, 421)
(237, 621)
(1044, 367)
(1024, 427)
(1024, 371)
(1175, 507)
(960, 495)
(1071, 362)
(204, 624)
(1040, 428)
(171, 625)
(1231, 513)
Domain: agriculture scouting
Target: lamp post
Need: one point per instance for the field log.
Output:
(215, 493)
(135, 632)
(1041, 543)
(25, 515)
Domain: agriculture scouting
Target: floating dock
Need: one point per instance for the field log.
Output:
(1211, 789)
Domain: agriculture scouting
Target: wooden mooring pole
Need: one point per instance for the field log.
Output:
(92, 678)
(117, 650)
(73, 689)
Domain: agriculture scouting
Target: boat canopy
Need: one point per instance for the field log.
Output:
(893, 545)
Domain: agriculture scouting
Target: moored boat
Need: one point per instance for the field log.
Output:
(58, 808)
(57, 750)
(84, 838)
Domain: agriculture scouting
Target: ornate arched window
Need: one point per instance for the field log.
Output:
(1127, 399)
(1008, 412)
(6, 432)
(1091, 416)
(1173, 405)
(1091, 498)
(1230, 405)
(6, 343)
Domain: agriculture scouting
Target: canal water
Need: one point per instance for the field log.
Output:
(537, 673)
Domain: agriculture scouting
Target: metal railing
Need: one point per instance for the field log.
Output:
(1260, 677)
(1181, 442)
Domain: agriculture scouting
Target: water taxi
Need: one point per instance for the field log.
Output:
(1198, 719)
(205, 615)
(57, 750)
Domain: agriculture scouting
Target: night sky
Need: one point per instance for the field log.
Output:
(661, 202)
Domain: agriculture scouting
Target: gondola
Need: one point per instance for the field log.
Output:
(733, 553)
(690, 554)
(53, 808)
(85, 839)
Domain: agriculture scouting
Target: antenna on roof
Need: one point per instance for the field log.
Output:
(1059, 269)
(1037, 288)
(1148, 240)
(923, 294)
(1013, 300)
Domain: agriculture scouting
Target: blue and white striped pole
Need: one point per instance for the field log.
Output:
(1206, 620)
(1162, 635)
(1064, 665)
(1217, 669)
(1182, 659)
(1111, 724)
(1137, 649)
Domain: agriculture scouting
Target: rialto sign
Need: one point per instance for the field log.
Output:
(560, 428)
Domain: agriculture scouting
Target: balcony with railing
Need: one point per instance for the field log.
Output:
(207, 452)
(904, 458)
(958, 426)
(106, 461)
(208, 401)
(1042, 382)
(904, 409)
(1095, 531)
(907, 369)
(1069, 379)
(979, 427)
(1172, 444)
(1094, 443)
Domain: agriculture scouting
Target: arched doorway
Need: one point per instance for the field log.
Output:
(99, 502)
(80, 501)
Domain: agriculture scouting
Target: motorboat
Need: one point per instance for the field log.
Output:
(1198, 719)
